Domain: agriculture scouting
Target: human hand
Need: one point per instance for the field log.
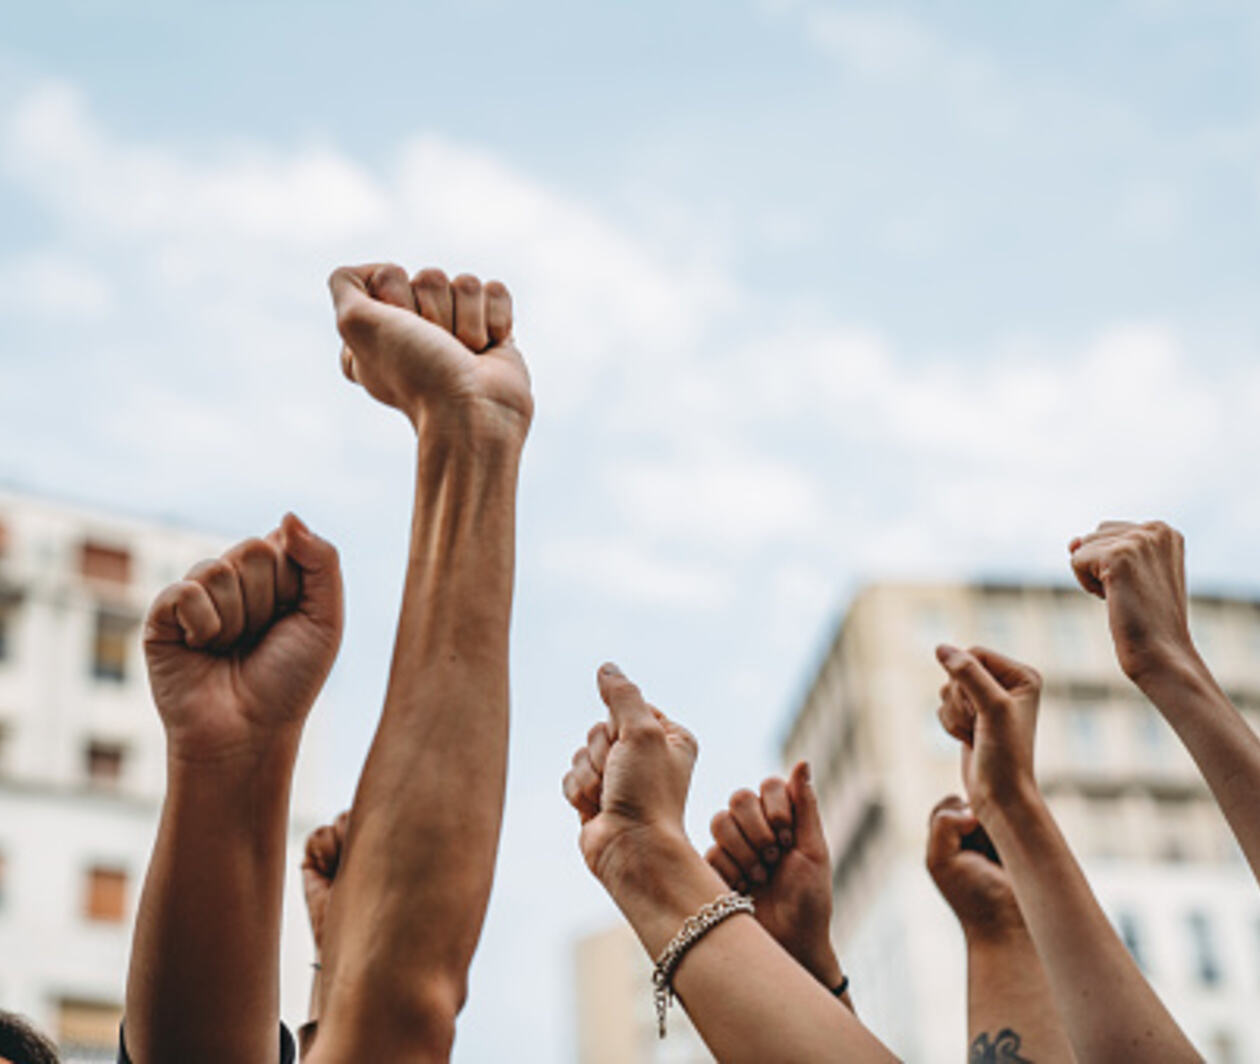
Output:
(772, 846)
(629, 782)
(428, 345)
(966, 870)
(1139, 570)
(990, 706)
(238, 650)
(319, 868)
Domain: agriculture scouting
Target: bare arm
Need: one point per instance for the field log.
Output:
(237, 653)
(419, 859)
(1140, 571)
(1109, 1010)
(750, 1001)
(1011, 1013)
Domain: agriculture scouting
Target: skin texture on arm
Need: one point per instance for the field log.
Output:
(771, 846)
(1139, 570)
(750, 1001)
(1011, 1014)
(1108, 1009)
(237, 653)
(420, 847)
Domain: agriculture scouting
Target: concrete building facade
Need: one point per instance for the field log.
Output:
(1130, 800)
(82, 764)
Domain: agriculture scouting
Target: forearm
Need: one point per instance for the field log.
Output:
(1221, 742)
(748, 998)
(1108, 1010)
(1009, 1001)
(207, 936)
(425, 824)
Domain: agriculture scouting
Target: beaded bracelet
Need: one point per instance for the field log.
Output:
(692, 930)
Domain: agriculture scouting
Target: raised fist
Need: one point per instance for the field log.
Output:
(990, 706)
(319, 869)
(771, 845)
(630, 781)
(239, 649)
(428, 345)
(1140, 571)
(966, 870)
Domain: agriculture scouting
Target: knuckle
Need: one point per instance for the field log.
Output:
(466, 284)
(743, 799)
(497, 290)
(431, 277)
(596, 734)
(388, 273)
(720, 823)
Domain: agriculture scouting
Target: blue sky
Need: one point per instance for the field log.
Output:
(812, 293)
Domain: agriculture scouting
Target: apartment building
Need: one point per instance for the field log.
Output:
(82, 764)
(1128, 797)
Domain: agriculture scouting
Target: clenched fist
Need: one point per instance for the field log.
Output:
(1139, 570)
(238, 650)
(427, 345)
(965, 869)
(990, 706)
(629, 783)
(771, 845)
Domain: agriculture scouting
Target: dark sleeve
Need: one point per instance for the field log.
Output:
(288, 1054)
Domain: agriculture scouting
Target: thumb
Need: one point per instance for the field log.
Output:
(358, 313)
(321, 571)
(809, 827)
(624, 700)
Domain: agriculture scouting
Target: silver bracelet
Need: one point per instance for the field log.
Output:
(692, 930)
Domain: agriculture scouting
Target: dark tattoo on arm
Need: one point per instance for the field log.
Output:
(1003, 1049)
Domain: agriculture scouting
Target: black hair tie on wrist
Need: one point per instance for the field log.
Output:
(842, 988)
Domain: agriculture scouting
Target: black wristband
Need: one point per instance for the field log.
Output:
(841, 988)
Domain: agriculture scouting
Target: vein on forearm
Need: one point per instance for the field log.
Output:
(424, 832)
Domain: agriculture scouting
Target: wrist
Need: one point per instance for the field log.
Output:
(470, 421)
(1175, 668)
(1017, 796)
(639, 859)
(266, 754)
(823, 965)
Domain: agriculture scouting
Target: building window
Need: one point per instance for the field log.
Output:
(1206, 962)
(1084, 734)
(111, 645)
(100, 562)
(1131, 936)
(104, 762)
(106, 899)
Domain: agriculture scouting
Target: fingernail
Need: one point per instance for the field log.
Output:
(770, 854)
(301, 525)
(944, 652)
(610, 669)
(757, 875)
(806, 773)
(785, 839)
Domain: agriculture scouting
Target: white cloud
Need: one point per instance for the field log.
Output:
(50, 284)
(249, 195)
(630, 572)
